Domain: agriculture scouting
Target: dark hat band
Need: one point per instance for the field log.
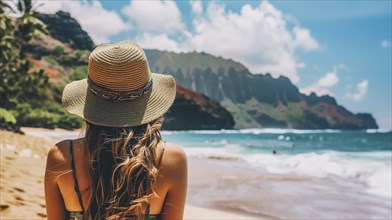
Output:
(107, 94)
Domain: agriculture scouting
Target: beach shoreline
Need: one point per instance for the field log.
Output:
(223, 182)
(23, 161)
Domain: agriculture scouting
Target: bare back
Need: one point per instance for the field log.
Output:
(60, 187)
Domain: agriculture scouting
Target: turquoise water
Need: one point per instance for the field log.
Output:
(287, 141)
(359, 156)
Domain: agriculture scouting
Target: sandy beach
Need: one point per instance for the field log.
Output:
(22, 170)
(222, 185)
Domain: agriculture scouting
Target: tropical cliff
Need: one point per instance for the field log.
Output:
(242, 98)
(256, 100)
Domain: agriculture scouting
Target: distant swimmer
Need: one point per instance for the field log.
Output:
(275, 152)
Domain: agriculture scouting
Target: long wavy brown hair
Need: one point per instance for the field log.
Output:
(123, 169)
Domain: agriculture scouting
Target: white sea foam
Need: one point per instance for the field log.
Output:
(257, 131)
(380, 130)
(206, 152)
(168, 132)
(286, 131)
(271, 131)
(214, 131)
(372, 169)
(375, 174)
(373, 155)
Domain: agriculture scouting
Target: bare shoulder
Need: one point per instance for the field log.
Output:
(174, 155)
(58, 154)
(174, 166)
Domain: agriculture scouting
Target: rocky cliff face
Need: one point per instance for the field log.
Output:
(256, 100)
(193, 111)
(253, 100)
(67, 30)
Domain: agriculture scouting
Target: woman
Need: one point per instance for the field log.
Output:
(121, 169)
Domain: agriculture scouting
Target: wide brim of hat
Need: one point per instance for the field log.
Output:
(79, 100)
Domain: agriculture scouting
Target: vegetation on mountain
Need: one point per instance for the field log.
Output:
(61, 58)
(25, 91)
(36, 64)
(256, 100)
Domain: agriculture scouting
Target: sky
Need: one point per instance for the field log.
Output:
(339, 48)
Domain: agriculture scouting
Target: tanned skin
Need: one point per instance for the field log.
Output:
(60, 196)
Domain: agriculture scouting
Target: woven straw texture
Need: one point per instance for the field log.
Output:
(126, 59)
(120, 67)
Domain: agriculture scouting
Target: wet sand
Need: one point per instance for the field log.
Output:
(235, 185)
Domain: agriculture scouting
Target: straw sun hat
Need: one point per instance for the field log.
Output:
(120, 90)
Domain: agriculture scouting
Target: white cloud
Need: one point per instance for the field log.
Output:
(196, 7)
(321, 87)
(261, 37)
(319, 91)
(385, 43)
(258, 37)
(157, 17)
(97, 21)
(330, 79)
(303, 39)
(160, 42)
(301, 65)
(361, 92)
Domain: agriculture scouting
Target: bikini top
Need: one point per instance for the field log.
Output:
(79, 215)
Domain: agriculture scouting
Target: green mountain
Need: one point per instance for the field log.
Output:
(255, 100)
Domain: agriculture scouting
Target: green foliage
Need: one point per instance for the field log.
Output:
(79, 54)
(76, 58)
(40, 118)
(52, 115)
(6, 117)
(51, 60)
(190, 61)
(58, 50)
(25, 92)
(246, 113)
(68, 121)
(80, 72)
(46, 119)
(18, 80)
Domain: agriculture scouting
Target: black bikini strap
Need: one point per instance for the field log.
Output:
(148, 209)
(75, 177)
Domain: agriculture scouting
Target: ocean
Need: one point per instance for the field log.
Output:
(315, 174)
